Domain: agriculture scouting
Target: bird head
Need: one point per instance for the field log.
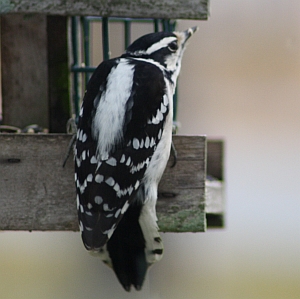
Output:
(165, 48)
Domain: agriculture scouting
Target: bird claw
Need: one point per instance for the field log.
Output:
(174, 154)
(71, 129)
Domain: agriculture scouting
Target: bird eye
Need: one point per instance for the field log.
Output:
(173, 46)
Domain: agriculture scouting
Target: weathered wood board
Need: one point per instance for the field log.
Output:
(181, 202)
(215, 193)
(35, 69)
(36, 193)
(175, 9)
(24, 68)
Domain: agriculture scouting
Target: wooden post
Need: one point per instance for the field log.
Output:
(58, 73)
(24, 70)
(0, 80)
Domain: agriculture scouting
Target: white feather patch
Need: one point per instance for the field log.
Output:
(107, 125)
(149, 227)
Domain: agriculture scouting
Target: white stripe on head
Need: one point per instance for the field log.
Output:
(161, 44)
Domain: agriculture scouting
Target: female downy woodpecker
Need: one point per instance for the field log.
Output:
(122, 148)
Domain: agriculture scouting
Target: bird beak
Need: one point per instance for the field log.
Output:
(185, 35)
(189, 32)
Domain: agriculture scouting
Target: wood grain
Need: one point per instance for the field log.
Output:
(215, 185)
(175, 9)
(24, 70)
(38, 194)
(181, 201)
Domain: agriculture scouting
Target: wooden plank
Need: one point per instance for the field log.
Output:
(58, 73)
(181, 206)
(215, 203)
(215, 159)
(24, 70)
(215, 193)
(38, 194)
(175, 9)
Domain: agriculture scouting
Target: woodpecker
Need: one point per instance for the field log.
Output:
(122, 147)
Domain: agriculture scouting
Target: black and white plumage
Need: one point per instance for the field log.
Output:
(122, 148)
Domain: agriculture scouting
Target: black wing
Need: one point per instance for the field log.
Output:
(106, 188)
